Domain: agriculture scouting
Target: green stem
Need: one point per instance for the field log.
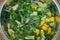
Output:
(42, 35)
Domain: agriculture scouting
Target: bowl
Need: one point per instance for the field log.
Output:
(4, 35)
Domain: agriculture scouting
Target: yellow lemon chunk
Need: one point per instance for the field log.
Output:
(37, 31)
(45, 27)
(42, 22)
(49, 30)
(52, 19)
(57, 19)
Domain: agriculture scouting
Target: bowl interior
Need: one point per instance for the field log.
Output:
(5, 15)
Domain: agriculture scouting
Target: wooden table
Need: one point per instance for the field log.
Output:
(1, 38)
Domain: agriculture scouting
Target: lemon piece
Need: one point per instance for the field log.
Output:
(37, 31)
(57, 19)
(52, 19)
(49, 30)
(44, 28)
(42, 22)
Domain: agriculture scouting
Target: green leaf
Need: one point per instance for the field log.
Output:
(30, 37)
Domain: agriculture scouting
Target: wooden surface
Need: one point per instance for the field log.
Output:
(1, 2)
(1, 38)
(58, 1)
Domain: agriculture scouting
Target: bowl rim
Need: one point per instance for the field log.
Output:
(5, 37)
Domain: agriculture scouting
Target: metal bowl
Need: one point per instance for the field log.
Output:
(6, 38)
